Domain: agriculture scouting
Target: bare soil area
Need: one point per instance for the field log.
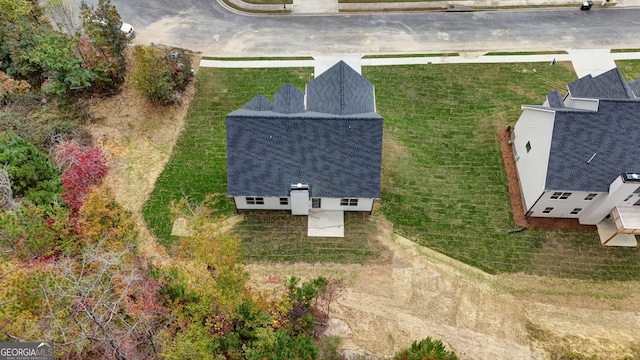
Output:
(411, 292)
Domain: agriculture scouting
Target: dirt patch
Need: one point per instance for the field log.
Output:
(138, 138)
(516, 196)
(420, 293)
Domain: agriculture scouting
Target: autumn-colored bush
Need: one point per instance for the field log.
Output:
(82, 169)
(9, 86)
(160, 74)
(102, 218)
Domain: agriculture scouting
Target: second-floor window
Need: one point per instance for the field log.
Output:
(560, 195)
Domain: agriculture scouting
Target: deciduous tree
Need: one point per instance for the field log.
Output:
(103, 303)
(160, 74)
(103, 45)
(55, 54)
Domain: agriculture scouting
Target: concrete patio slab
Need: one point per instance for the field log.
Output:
(327, 223)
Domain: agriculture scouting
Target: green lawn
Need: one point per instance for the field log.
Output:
(443, 177)
(496, 53)
(281, 237)
(444, 183)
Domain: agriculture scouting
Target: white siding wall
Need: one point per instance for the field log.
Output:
(620, 193)
(577, 103)
(535, 126)
(334, 204)
(593, 211)
(562, 207)
(270, 203)
(273, 203)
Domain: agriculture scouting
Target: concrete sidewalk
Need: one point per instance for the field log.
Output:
(585, 61)
(311, 7)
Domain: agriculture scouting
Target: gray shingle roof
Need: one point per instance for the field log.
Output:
(259, 103)
(555, 99)
(339, 155)
(341, 91)
(635, 87)
(612, 134)
(609, 85)
(288, 100)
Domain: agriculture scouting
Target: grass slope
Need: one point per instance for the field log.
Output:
(445, 185)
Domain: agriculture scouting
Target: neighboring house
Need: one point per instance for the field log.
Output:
(579, 156)
(302, 152)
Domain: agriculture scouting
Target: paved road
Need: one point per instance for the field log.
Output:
(205, 26)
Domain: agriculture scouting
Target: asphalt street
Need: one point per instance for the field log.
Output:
(209, 28)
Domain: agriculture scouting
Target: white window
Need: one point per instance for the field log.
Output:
(575, 211)
(560, 195)
(547, 210)
(349, 202)
(591, 196)
(284, 201)
(255, 201)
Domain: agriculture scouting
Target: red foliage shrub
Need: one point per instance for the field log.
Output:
(83, 168)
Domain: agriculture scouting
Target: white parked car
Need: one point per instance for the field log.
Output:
(127, 29)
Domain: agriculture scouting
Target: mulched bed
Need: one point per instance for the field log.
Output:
(516, 198)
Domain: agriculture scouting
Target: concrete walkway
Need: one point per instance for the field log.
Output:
(585, 61)
(314, 7)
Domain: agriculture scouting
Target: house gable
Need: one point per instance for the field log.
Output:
(340, 91)
(288, 100)
(259, 103)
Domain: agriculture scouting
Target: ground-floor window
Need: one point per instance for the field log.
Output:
(349, 202)
(575, 211)
(547, 210)
(315, 203)
(284, 201)
(255, 201)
